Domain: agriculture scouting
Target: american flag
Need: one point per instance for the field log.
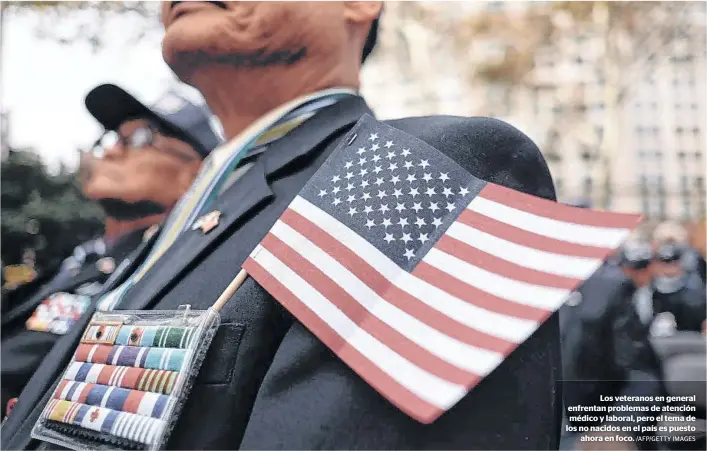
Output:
(419, 276)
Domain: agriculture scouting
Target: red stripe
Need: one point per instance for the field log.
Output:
(60, 388)
(549, 209)
(105, 374)
(394, 295)
(474, 296)
(502, 267)
(363, 318)
(529, 239)
(101, 354)
(132, 377)
(82, 352)
(84, 392)
(132, 402)
(403, 398)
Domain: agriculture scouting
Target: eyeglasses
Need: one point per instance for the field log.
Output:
(139, 139)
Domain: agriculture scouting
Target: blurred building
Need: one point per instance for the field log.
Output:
(646, 153)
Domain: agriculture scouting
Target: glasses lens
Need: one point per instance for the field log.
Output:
(109, 139)
(140, 138)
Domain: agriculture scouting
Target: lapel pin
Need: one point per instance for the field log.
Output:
(106, 265)
(208, 222)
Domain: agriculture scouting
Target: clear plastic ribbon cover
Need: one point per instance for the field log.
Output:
(128, 379)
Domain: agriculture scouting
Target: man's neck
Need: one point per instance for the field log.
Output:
(115, 228)
(238, 97)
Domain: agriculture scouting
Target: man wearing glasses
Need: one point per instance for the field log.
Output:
(136, 171)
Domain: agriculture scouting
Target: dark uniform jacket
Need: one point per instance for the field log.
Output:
(267, 382)
(24, 345)
(605, 347)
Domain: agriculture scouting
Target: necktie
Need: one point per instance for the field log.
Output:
(215, 173)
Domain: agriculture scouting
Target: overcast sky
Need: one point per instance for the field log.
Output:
(44, 83)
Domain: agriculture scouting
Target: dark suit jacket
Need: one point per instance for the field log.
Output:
(267, 382)
(23, 349)
(605, 347)
(687, 303)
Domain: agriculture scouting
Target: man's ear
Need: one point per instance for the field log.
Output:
(362, 12)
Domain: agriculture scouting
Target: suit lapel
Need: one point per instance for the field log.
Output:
(242, 197)
(247, 195)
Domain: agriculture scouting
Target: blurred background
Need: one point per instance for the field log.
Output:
(613, 93)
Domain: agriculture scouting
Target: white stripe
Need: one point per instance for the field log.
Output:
(72, 371)
(162, 338)
(94, 372)
(77, 393)
(116, 425)
(65, 392)
(147, 404)
(139, 356)
(121, 375)
(91, 332)
(561, 265)
(119, 425)
(607, 237)
(148, 381)
(91, 352)
(503, 287)
(184, 337)
(106, 395)
(114, 376)
(495, 324)
(155, 427)
(478, 360)
(132, 431)
(164, 358)
(117, 355)
(426, 386)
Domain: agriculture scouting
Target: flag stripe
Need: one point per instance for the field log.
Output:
(364, 303)
(404, 398)
(391, 293)
(490, 323)
(503, 267)
(573, 233)
(514, 244)
(512, 290)
(427, 386)
(550, 209)
(473, 295)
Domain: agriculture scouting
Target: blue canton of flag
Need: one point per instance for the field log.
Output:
(400, 196)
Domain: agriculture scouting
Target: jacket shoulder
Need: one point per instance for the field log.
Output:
(608, 286)
(489, 148)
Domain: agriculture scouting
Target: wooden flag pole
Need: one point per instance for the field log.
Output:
(230, 290)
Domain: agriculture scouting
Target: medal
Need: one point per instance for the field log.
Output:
(208, 222)
(106, 265)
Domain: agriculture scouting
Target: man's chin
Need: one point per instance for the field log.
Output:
(130, 211)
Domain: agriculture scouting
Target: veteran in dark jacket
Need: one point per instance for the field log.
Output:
(136, 172)
(283, 80)
(605, 348)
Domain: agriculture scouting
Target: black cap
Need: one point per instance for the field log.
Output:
(580, 202)
(636, 254)
(180, 118)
